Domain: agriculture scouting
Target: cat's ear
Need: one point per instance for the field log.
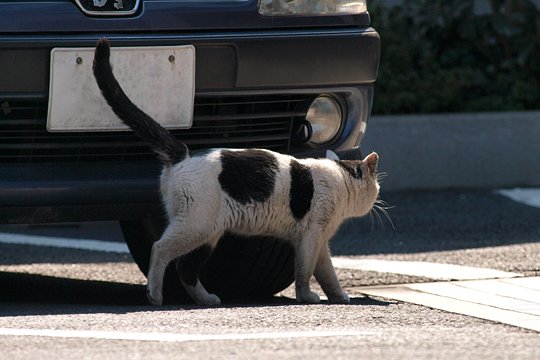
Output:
(371, 161)
(331, 155)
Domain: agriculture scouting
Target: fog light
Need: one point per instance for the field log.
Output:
(311, 7)
(325, 116)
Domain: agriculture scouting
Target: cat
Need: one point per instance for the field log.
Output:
(244, 191)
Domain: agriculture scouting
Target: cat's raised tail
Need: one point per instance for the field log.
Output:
(169, 149)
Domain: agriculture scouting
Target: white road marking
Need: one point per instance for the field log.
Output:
(413, 268)
(526, 196)
(424, 269)
(82, 244)
(509, 301)
(175, 337)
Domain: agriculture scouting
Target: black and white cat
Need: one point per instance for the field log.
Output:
(249, 192)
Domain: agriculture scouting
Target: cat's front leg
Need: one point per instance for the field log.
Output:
(327, 278)
(305, 295)
(305, 258)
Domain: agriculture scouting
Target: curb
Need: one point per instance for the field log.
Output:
(443, 151)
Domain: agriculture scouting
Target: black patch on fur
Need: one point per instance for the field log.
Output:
(189, 266)
(248, 175)
(301, 189)
(351, 167)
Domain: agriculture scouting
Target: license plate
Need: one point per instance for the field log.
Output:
(159, 80)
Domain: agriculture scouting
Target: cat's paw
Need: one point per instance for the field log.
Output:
(308, 297)
(154, 299)
(208, 300)
(342, 298)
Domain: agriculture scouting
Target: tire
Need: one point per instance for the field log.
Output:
(240, 269)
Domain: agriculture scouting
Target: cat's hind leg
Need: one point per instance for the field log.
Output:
(189, 267)
(177, 240)
(327, 278)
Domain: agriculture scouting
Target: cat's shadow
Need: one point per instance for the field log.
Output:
(31, 294)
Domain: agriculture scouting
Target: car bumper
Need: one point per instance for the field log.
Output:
(224, 60)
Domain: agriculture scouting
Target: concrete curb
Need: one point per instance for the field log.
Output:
(478, 150)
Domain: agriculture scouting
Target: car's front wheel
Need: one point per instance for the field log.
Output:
(240, 269)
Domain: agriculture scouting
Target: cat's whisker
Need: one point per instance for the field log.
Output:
(372, 215)
(381, 224)
(381, 176)
(371, 220)
(381, 204)
(346, 226)
(384, 210)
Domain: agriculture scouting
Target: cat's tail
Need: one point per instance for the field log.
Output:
(169, 149)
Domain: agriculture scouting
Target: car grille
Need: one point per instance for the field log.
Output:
(223, 121)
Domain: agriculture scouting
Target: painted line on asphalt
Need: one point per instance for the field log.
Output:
(81, 244)
(525, 196)
(428, 270)
(413, 268)
(510, 301)
(175, 337)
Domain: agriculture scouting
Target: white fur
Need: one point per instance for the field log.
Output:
(199, 212)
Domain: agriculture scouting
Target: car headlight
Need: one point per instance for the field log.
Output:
(325, 116)
(311, 7)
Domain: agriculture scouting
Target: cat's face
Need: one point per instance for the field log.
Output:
(366, 175)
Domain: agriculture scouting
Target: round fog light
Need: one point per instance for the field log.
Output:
(325, 117)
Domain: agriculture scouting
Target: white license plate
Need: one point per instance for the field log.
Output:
(159, 80)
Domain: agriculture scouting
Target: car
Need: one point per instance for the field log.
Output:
(293, 76)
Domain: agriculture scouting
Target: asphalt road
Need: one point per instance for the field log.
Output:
(67, 303)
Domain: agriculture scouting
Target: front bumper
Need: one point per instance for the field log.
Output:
(224, 60)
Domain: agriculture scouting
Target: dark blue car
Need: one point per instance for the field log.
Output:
(294, 76)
